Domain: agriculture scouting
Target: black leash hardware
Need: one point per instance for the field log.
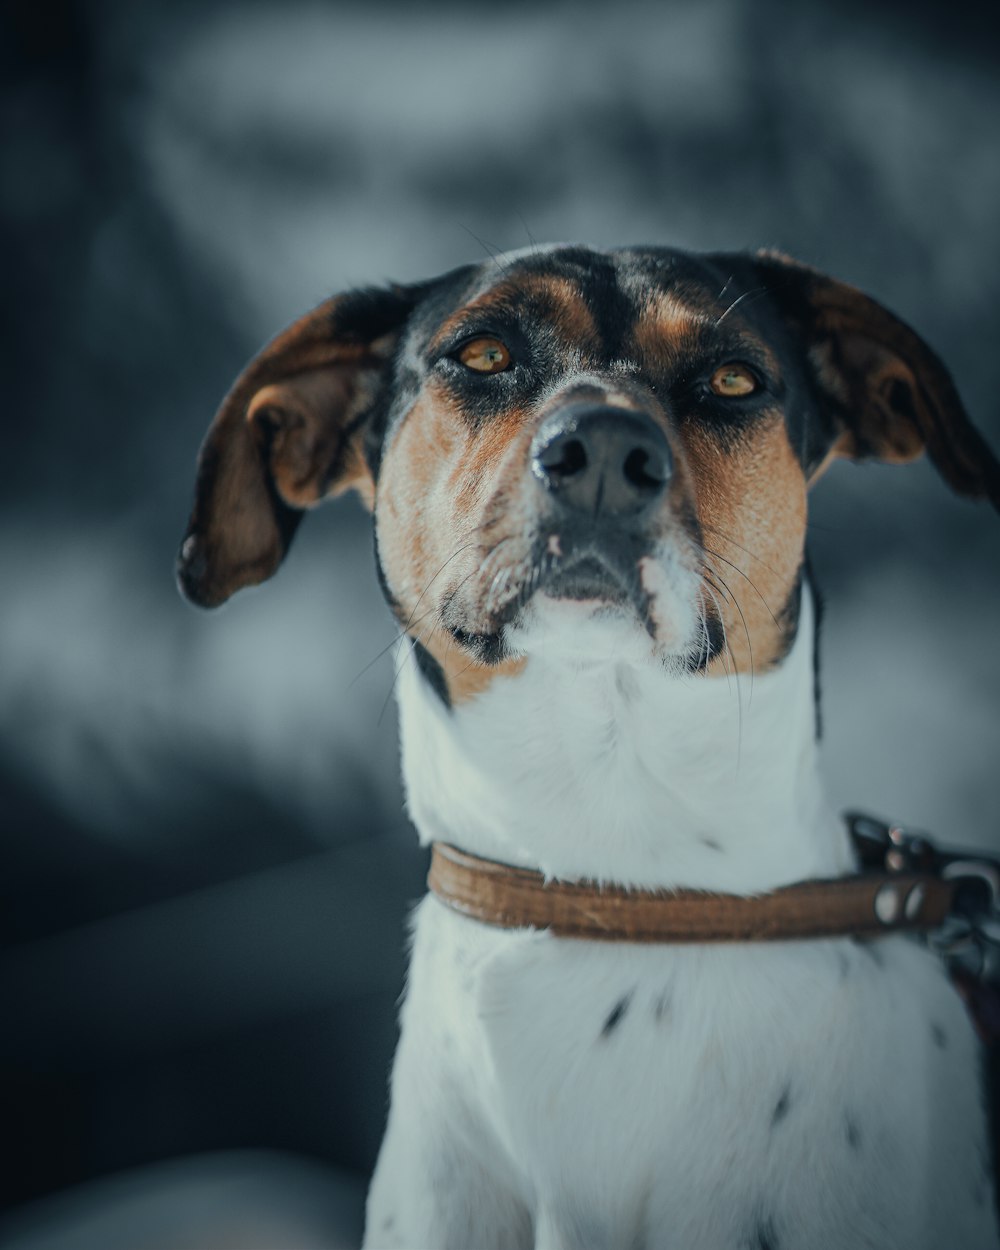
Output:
(969, 940)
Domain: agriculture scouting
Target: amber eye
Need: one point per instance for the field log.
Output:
(485, 355)
(733, 381)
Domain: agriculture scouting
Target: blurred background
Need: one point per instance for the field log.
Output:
(205, 865)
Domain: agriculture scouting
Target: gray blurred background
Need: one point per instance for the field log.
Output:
(205, 866)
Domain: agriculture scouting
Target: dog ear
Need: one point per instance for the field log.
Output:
(289, 434)
(887, 393)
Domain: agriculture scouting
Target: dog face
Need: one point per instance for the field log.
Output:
(600, 453)
(579, 447)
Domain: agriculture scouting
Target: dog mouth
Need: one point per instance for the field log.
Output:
(599, 574)
(583, 584)
(594, 575)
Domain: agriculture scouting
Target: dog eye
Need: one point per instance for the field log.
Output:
(733, 381)
(485, 355)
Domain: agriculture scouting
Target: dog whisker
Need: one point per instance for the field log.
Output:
(746, 550)
(739, 609)
(411, 622)
(532, 241)
(488, 248)
(718, 556)
(706, 646)
(711, 588)
(735, 673)
(388, 647)
(454, 555)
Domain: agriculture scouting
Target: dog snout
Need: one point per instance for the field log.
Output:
(598, 460)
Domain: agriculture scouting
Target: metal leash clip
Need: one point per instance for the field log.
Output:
(969, 939)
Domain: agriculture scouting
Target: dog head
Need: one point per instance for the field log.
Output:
(594, 453)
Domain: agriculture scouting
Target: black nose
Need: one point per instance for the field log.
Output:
(602, 460)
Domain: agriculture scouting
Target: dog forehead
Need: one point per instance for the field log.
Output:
(592, 295)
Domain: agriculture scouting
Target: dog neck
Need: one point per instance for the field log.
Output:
(617, 772)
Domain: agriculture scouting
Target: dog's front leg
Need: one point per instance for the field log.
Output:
(432, 1192)
(442, 1182)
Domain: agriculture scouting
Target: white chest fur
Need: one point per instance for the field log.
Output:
(612, 769)
(557, 1093)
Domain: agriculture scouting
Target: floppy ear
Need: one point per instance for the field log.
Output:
(288, 434)
(887, 393)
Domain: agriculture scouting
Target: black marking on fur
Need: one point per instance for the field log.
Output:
(788, 617)
(939, 1035)
(989, 1077)
(663, 1006)
(370, 312)
(712, 642)
(616, 1015)
(613, 311)
(487, 648)
(852, 1132)
(819, 607)
(377, 420)
(481, 398)
(383, 583)
(764, 1237)
(901, 398)
(781, 1106)
(432, 671)
(711, 843)
(729, 421)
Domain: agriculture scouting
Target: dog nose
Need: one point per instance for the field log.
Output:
(602, 460)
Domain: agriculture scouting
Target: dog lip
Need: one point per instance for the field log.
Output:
(567, 566)
(591, 574)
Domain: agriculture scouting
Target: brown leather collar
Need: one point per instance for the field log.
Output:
(868, 904)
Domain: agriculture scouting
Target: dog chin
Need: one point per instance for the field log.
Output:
(581, 632)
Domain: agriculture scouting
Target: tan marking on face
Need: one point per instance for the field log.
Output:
(446, 499)
(472, 477)
(751, 502)
(664, 330)
(410, 487)
(555, 299)
(571, 315)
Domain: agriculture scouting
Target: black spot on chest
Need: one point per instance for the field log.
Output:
(781, 1106)
(763, 1237)
(616, 1015)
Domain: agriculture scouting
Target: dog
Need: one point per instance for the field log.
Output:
(588, 474)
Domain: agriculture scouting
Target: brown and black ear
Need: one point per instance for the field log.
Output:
(288, 435)
(889, 395)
